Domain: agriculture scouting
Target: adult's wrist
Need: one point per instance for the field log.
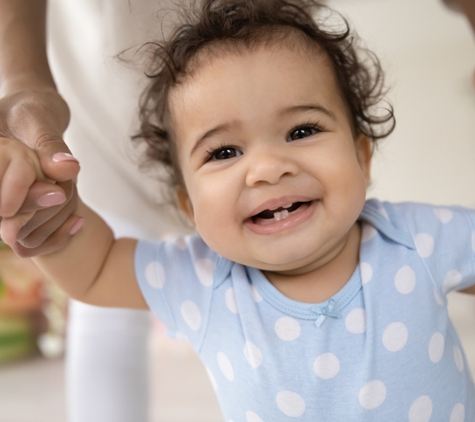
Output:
(27, 82)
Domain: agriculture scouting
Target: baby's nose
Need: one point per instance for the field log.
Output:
(269, 167)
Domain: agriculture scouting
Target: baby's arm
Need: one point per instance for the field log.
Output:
(94, 267)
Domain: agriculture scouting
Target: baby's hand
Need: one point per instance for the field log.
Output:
(19, 170)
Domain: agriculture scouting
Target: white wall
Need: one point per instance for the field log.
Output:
(429, 55)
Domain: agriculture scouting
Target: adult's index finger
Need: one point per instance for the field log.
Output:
(43, 195)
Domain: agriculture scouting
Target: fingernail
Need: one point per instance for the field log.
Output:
(63, 156)
(51, 199)
(76, 226)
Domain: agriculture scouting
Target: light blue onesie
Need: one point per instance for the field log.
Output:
(382, 349)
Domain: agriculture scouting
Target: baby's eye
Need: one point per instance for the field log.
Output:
(302, 132)
(224, 153)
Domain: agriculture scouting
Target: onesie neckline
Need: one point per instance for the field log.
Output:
(332, 307)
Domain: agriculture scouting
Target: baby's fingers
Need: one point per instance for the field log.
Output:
(10, 226)
(18, 171)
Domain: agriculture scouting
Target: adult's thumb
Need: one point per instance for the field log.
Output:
(56, 159)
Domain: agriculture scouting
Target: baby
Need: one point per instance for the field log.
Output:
(303, 300)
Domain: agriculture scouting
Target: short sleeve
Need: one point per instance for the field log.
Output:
(444, 239)
(176, 278)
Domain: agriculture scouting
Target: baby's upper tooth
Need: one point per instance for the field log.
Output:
(287, 205)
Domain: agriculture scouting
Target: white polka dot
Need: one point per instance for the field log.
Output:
(405, 280)
(421, 410)
(438, 299)
(205, 271)
(355, 321)
(212, 379)
(368, 233)
(452, 279)
(225, 366)
(458, 357)
(326, 366)
(436, 347)
(372, 395)
(424, 244)
(395, 336)
(252, 417)
(191, 314)
(180, 243)
(290, 404)
(366, 272)
(443, 214)
(230, 298)
(287, 328)
(255, 294)
(458, 413)
(252, 354)
(155, 275)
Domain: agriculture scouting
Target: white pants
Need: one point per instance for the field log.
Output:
(107, 357)
(106, 364)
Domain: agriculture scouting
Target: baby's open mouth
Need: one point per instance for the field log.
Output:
(278, 214)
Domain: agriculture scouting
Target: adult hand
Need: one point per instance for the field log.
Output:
(40, 230)
(38, 118)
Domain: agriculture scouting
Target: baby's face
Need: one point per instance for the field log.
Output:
(274, 176)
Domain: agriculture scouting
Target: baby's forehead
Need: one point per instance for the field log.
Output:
(268, 39)
(229, 55)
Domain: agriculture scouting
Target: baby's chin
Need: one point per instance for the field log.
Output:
(279, 263)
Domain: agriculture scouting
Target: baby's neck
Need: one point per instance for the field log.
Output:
(324, 282)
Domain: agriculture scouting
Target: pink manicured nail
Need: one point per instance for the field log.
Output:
(63, 156)
(51, 199)
(76, 226)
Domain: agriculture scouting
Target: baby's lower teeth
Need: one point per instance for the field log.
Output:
(281, 215)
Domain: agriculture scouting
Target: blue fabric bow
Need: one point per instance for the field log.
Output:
(327, 311)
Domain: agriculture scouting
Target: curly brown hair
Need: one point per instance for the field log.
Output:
(238, 24)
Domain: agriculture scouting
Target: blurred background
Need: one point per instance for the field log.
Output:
(429, 56)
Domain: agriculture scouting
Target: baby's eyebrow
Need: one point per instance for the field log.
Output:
(308, 107)
(220, 128)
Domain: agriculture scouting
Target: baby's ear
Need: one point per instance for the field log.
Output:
(364, 152)
(185, 203)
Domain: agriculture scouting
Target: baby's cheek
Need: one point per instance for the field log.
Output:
(214, 230)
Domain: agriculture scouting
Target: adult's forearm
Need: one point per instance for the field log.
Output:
(23, 58)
